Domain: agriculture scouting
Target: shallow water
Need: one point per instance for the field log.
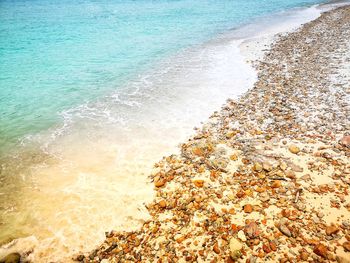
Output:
(55, 55)
(94, 117)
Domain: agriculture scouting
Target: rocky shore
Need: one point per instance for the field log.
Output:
(267, 178)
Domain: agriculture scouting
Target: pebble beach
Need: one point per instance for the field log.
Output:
(266, 178)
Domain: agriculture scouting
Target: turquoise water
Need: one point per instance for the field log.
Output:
(55, 55)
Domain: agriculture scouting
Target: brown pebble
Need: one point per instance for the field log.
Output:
(266, 247)
(294, 149)
(330, 230)
(276, 184)
(198, 183)
(346, 246)
(248, 208)
(321, 250)
(160, 183)
(304, 255)
(216, 248)
(162, 204)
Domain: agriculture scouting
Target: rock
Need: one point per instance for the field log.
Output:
(290, 174)
(266, 248)
(345, 141)
(234, 157)
(294, 149)
(251, 230)
(162, 204)
(330, 230)
(257, 167)
(159, 183)
(284, 230)
(216, 248)
(248, 208)
(267, 167)
(241, 236)
(12, 258)
(198, 183)
(80, 257)
(304, 256)
(235, 249)
(240, 194)
(273, 246)
(346, 246)
(276, 184)
(321, 250)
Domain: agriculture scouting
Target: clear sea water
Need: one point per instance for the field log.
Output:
(55, 55)
(93, 93)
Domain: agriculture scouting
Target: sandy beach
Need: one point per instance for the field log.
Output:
(266, 178)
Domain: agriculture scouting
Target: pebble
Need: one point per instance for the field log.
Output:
(346, 246)
(235, 248)
(330, 230)
(241, 236)
(216, 248)
(284, 230)
(248, 208)
(321, 250)
(304, 256)
(345, 141)
(12, 258)
(162, 204)
(294, 149)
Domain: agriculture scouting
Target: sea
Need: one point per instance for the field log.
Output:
(94, 92)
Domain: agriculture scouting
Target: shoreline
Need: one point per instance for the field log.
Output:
(266, 179)
(254, 48)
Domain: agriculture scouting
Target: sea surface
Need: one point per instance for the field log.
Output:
(92, 93)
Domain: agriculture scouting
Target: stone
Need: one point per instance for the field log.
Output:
(80, 257)
(12, 258)
(160, 183)
(267, 167)
(346, 246)
(248, 208)
(276, 184)
(241, 236)
(304, 256)
(345, 141)
(257, 167)
(321, 250)
(290, 174)
(234, 157)
(284, 230)
(216, 248)
(162, 204)
(330, 230)
(294, 149)
(198, 183)
(266, 247)
(235, 248)
(240, 194)
(251, 230)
